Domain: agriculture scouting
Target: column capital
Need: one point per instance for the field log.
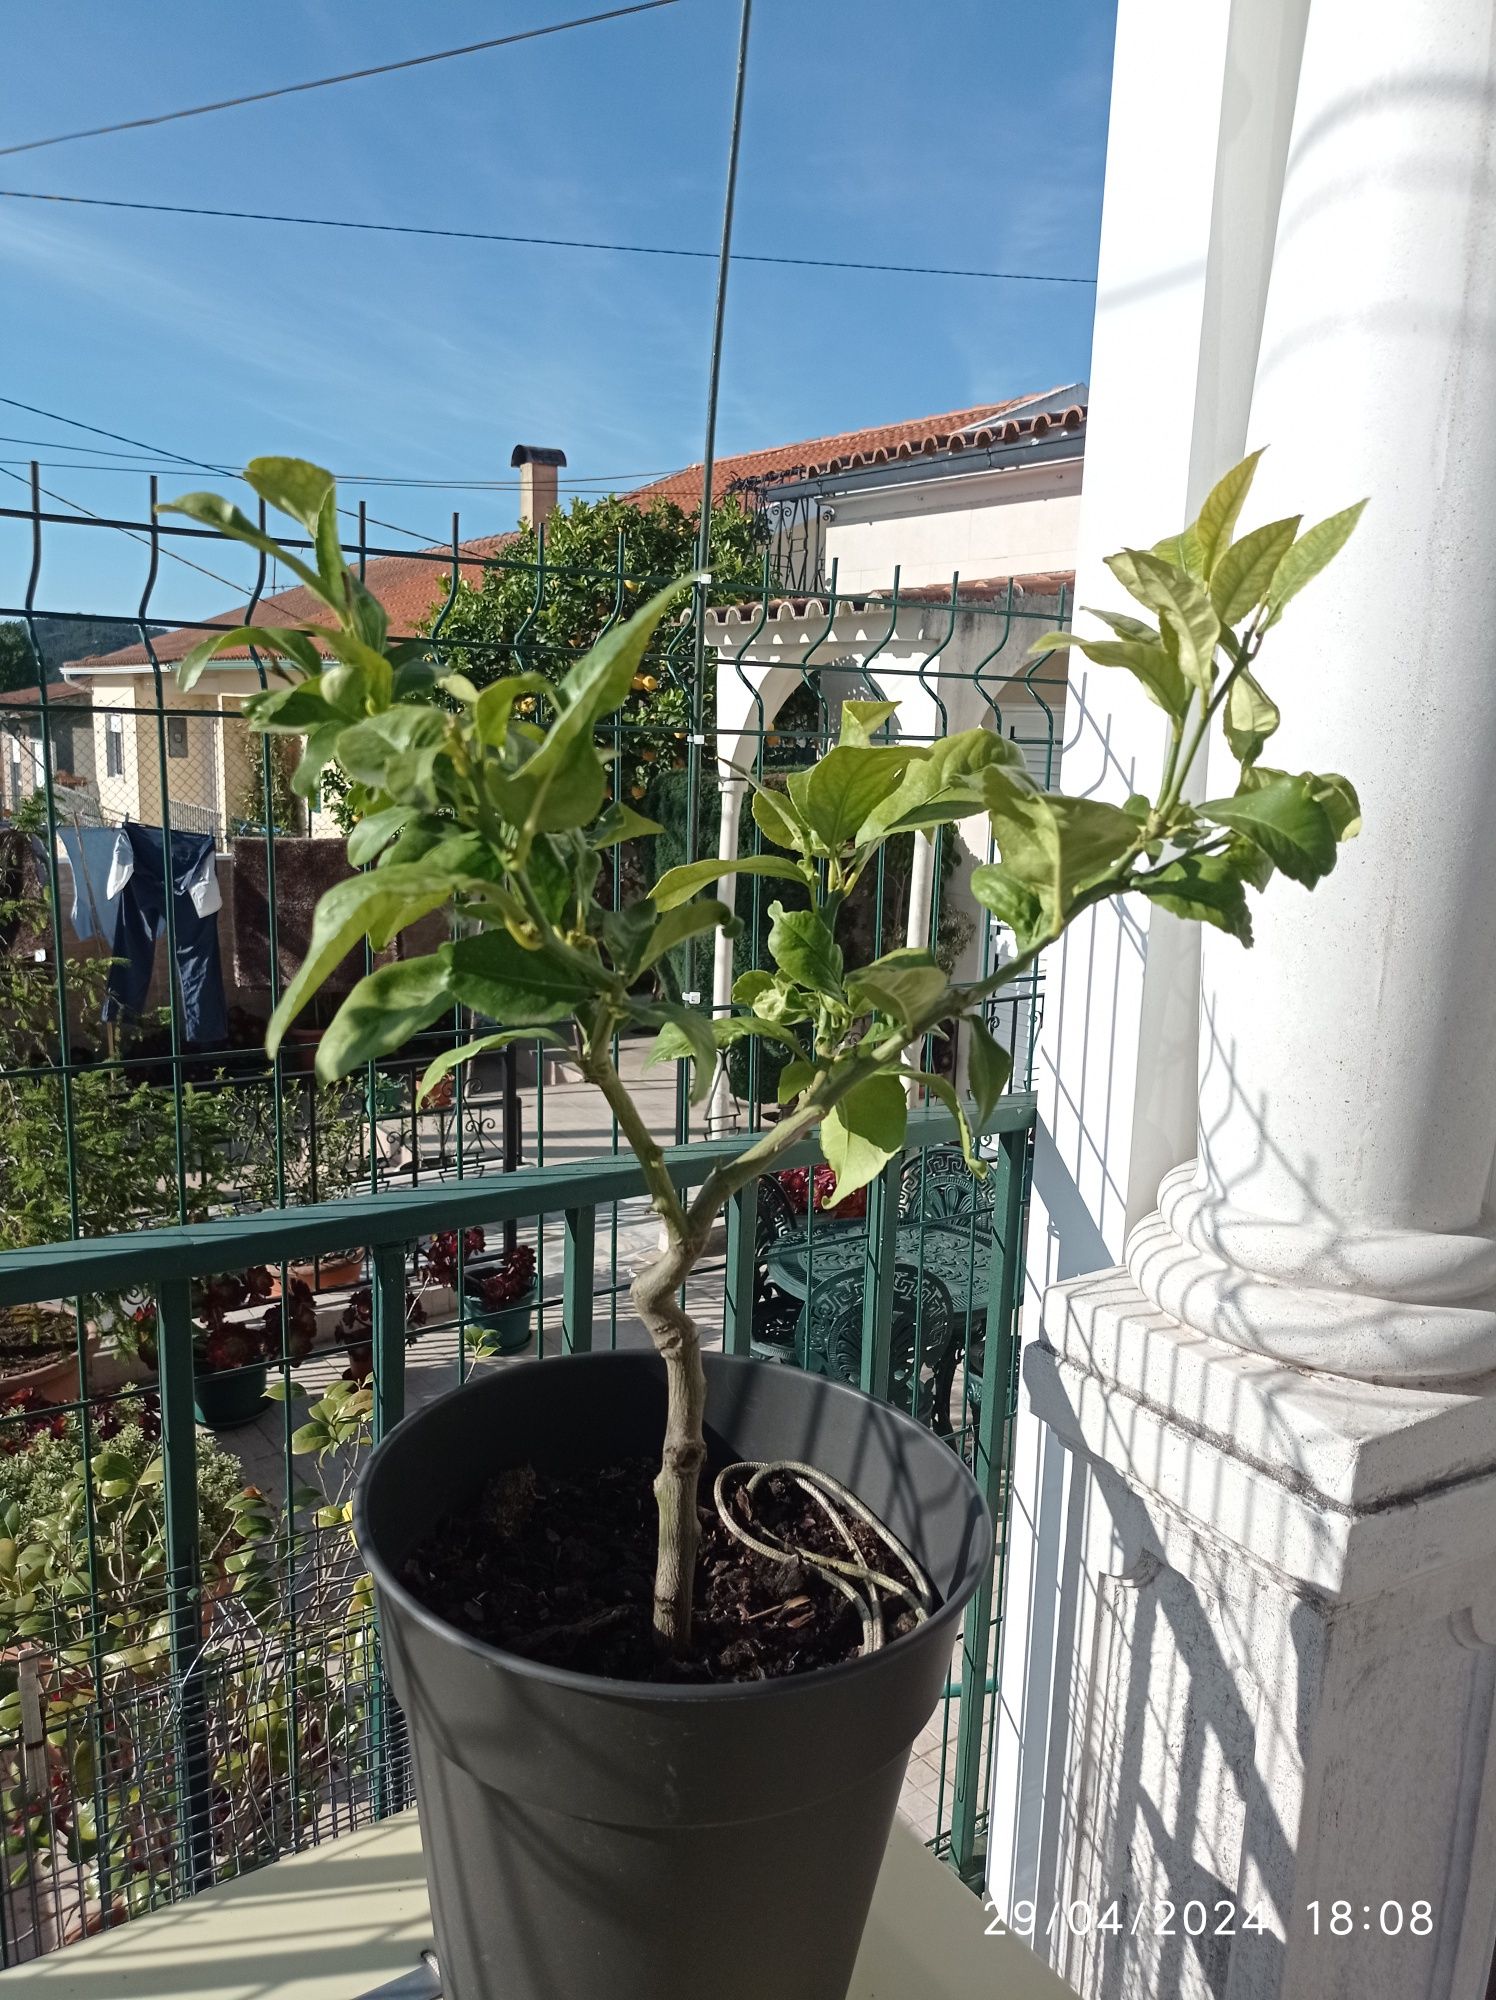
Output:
(1343, 1489)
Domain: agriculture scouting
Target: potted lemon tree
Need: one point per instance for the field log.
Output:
(664, 1625)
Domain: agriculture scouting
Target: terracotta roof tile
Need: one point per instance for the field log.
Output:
(979, 591)
(955, 430)
(408, 586)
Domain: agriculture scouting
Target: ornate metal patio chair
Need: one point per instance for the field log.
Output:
(925, 1343)
(776, 1313)
(938, 1186)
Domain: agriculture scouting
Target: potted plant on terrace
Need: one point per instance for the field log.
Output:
(233, 1342)
(498, 1297)
(501, 1303)
(659, 1738)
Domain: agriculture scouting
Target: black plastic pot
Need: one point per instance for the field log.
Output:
(227, 1400)
(590, 1837)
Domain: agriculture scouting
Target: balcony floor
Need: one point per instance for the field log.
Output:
(350, 1918)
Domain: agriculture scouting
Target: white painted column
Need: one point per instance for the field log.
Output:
(1188, 221)
(1348, 1065)
(1271, 1678)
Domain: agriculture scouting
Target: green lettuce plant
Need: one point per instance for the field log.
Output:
(463, 801)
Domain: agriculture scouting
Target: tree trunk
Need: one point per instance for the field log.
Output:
(676, 1339)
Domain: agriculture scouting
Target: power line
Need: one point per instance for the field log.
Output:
(602, 485)
(197, 464)
(546, 242)
(345, 76)
(144, 541)
(141, 461)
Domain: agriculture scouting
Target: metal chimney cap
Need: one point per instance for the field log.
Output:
(536, 454)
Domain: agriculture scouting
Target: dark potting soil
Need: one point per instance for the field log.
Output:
(31, 1336)
(560, 1567)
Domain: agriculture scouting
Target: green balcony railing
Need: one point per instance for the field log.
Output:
(222, 1702)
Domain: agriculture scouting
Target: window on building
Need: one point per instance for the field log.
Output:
(176, 736)
(114, 746)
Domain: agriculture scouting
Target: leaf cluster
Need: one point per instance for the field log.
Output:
(467, 801)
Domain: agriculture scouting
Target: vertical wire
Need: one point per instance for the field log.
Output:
(704, 519)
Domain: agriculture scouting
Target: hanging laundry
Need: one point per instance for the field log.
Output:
(100, 862)
(195, 903)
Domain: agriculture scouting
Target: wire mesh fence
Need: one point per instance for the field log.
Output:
(167, 1722)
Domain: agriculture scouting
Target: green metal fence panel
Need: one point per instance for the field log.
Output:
(220, 1161)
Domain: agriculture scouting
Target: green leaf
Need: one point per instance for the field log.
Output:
(843, 787)
(396, 752)
(383, 1011)
(676, 1041)
(317, 753)
(595, 686)
(1125, 626)
(292, 711)
(375, 832)
(1058, 846)
(803, 947)
(294, 485)
(988, 1066)
(625, 933)
(451, 1059)
(513, 985)
(776, 820)
(945, 784)
(1250, 718)
(862, 1132)
(1338, 797)
(749, 985)
(494, 705)
(1181, 603)
(620, 822)
(907, 986)
(1217, 519)
(375, 905)
(330, 565)
(1181, 551)
(1286, 821)
(286, 641)
(682, 921)
(860, 719)
(678, 885)
(1309, 555)
(213, 511)
(941, 1087)
(687, 1033)
(1010, 900)
(1147, 660)
(1203, 888)
(1244, 572)
(793, 1078)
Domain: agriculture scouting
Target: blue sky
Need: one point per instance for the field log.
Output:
(967, 132)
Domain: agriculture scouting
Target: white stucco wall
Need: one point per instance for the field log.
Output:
(980, 524)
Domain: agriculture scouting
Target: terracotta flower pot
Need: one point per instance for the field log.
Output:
(54, 1372)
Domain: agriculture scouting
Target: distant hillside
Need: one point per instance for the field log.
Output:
(63, 640)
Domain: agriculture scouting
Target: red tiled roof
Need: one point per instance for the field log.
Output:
(57, 691)
(979, 591)
(956, 430)
(408, 586)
